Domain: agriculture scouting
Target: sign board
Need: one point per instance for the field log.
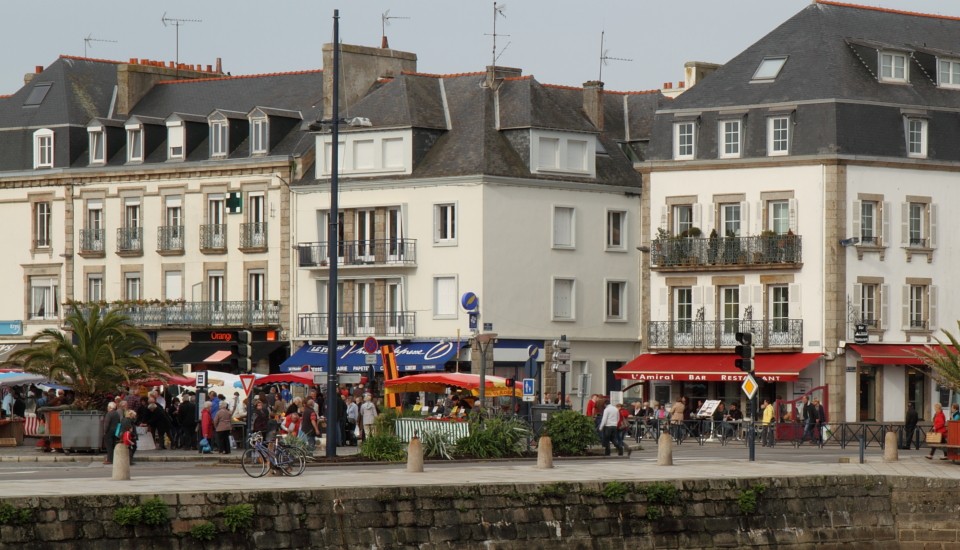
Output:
(371, 359)
(469, 301)
(487, 327)
(529, 389)
(11, 328)
(201, 379)
(473, 321)
(320, 378)
(370, 345)
(616, 397)
(708, 408)
(750, 386)
(860, 334)
(247, 381)
(561, 356)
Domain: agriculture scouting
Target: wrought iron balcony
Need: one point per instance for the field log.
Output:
(400, 323)
(93, 241)
(213, 237)
(130, 240)
(725, 252)
(170, 239)
(780, 334)
(359, 253)
(148, 314)
(253, 235)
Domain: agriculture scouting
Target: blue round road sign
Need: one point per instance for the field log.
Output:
(469, 301)
(370, 344)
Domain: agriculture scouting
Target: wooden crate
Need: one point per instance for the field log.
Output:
(8, 441)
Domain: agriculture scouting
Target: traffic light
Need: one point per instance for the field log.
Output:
(509, 382)
(745, 352)
(244, 350)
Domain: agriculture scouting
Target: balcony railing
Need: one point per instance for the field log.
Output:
(213, 237)
(253, 235)
(714, 335)
(264, 313)
(170, 238)
(130, 240)
(400, 323)
(92, 241)
(370, 252)
(726, 251)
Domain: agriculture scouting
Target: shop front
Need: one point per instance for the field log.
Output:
(888, 379)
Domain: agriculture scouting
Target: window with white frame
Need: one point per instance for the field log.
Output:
(616, 230)
(730, 309)
(919, 223)
(256, 287)
(549, 157)
(683, 309)
(778, 212)
(445, 224)
(616, 301)
(894, 67)
(729, 139)
(869, 304)
(682, 219)
(42, 224)
(44, 298)
(869, 211)
(43, 148)
(132, 286)
(216, 293)
(259, 135)
(769, 68)
(948, 73)
(916, 137)
(445, 297)
(564, 227)
(175, 140)
(730, 219)
(218, 138)
(684, 134)
(95, 287)
(919, 305)
(778, 135)
(134, 143)
(552, 151)
(564, 296)
(779, 308)
(98, 147)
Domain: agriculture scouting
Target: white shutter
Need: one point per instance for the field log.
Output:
(932, 317)
(173, 285)
(744, 295)
(392, 153)
(697, 296)
(744, 219)
(664, 294)
(858, 300)
(712, 223)
(856, 218)
(708, 296)
(757, 300)
(932, 209)
(363, 155)
(562, 226)
(906, 307)
(794, 291)
(905, 224)
(664, 210)
(792, 204)
(885, 235)
(884, 312)
(758, 228)
(697, 215)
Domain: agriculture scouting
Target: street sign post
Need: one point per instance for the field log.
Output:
(370, 345)
(750, 386)
(247, 381)
(320, 378)
(529, 387)
(371, 359)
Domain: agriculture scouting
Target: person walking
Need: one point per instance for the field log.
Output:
(111, 430)
(677, 413)
(767, 423)
(940, 427)
(909, 428)
(206, 425)
(222, 424)
(608, 429)
(808, 415)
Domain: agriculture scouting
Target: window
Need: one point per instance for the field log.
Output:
(730, 139)
(173, 285)
(616, 301)
(917, 318)
(218, 138)
(37, 94)
(132, 289)
(364, 228)
(780, 308)
(563, 227)
(683, 309)
(769, 68)
(258, 134)
(97, 147)
(215, 290)
(682, 219)
(868, 223)
(445, 224)
(43, 149)
(916, 137)
(869, 312)
(175, 140)
(549, 156)
(564, 299)
(95, 287)
(256, 289)
(779, 213)
(683, 140)
(363, 307)
(445, 297)
(778, 136)
(576, 155)
(730, 217)
(42, 220)
(131, 216)
(893, 67)
(44, 298)
(730, 309)
(134, 144)
(616, 230)
(92, 236)
(949, 73)
(171, 235)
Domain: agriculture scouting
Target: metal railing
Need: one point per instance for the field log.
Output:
(401, 323)
(725, 251)
(370, 252)
(213, 236)
(202, 314)
(253, 235)
(92, 240)
(767, 334)
(850, 433)
(170, 238)
(130, 239)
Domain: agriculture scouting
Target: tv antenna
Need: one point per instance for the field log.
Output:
(385, 18)
(498, 10)
(604, 58)
(177, 23)
(89, 40)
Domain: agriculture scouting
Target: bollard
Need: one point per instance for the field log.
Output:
(863, 447)
(415, 455)
(890, 453)
(545, 453)
(665, 450)
(121, 462)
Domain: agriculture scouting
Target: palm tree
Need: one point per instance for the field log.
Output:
(108, 353)
(944, 360)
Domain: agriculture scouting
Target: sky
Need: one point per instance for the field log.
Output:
(557, 41)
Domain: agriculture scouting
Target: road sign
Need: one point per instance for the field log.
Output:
(561, 356)
(750, 386)
(201, 379)
(469, 301)
(532, 351)
(370, 345)
(247, 380)
(320, 378)
(529, 387)
(371, 359)
(473, 321)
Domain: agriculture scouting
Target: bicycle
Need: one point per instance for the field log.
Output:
(260, 459)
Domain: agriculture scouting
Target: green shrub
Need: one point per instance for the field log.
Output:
(747, 500)
(571, 433)
(437, 445)
(495, 438)
(661, 493)
(153, 512)
(384, 447)
(238, 517)
(128, 515)
(11, 515)
(204, 532)
(615, 490)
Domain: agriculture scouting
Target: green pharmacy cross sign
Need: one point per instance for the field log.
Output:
(234, 203)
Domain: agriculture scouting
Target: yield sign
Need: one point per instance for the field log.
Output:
(247, 381)
(750, 386)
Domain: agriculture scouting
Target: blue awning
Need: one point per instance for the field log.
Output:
(411, 357)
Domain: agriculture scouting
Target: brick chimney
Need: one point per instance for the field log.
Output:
(28, 78)
(695, 71)
(593, 102)
(360, 68)
(496, 72)
(136, 78)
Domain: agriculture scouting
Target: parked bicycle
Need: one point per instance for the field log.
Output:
(261, 458)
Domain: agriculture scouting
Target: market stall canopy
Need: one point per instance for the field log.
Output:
(20, 378)
(438, 382)
(412, 356)
(288, 377)
(165, 380)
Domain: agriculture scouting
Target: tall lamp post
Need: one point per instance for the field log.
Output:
(483, 344)
(333, 430)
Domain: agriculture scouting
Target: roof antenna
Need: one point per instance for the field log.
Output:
(604, 58)
(89, 40)
(385, 18)
(498, 9)
(177, 23)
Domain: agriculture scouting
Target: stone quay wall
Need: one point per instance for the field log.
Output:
(824, 512)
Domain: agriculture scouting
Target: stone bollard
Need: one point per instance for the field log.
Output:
(665, 450)
(890, 452)
(545, 453)
(121, 462)
(415, 455)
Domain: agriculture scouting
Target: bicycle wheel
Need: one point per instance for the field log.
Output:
(284, 461)
(299, 462)
(254, 462)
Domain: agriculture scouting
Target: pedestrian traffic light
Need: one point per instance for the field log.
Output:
(745, 352)
(509, 382)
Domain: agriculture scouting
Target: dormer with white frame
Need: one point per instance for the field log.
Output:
(184, 133)
(368, 153)
(563, 153)
(227, 130)
(268, 127)
(144, 135)
(105, 139)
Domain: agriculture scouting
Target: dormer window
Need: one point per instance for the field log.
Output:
(258, 136)
(134, 143)
(218, 138)
(769, 68)
(98, 146)
(916, 130)
(43, 148)
(175, 140)
(894, 67)
(949, 73)
(730, 139)
(553, 152)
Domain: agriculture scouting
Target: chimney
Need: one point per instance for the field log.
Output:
(384, 44)
(496, 72)
(28, 78)
(139, 76)
(593, 102)
(366, 65)
(695, 71)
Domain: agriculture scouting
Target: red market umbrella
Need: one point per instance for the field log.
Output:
(166, 380)
(438, 382)
(288, 377)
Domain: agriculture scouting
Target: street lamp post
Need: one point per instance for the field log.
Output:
(483, 344)
(332, 247)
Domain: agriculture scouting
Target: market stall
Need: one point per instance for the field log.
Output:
(438, 382)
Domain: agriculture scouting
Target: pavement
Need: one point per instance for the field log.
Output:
(642, 466)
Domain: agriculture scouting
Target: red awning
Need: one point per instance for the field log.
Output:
(705, 367)
(890, 354)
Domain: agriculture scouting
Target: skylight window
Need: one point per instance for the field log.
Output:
(769, 68)
(37, 94)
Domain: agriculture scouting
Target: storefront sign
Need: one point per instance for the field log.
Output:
(860, 334)
(11, 328)
(707, 377)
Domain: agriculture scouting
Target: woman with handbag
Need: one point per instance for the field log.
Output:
(938, 432)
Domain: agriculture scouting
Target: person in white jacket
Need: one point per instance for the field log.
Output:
(608, 429)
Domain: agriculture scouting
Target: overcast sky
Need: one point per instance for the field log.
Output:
(557, 41)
